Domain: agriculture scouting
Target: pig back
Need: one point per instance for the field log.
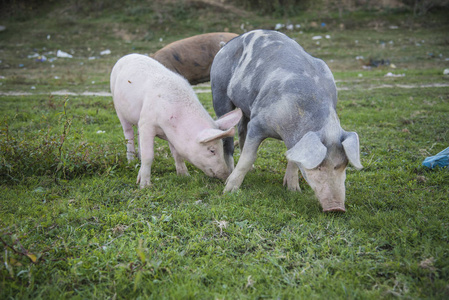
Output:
(269, 75)
(137, 80)
(192, 57)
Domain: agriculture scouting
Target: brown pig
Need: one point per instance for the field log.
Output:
(192, 57)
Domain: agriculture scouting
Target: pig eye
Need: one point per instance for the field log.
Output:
(212, 150)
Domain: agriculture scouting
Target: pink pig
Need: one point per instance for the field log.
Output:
(162, 103)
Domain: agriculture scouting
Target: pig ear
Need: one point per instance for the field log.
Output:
(208, 135)
(352, 149)
(309, 151)
(230, 119)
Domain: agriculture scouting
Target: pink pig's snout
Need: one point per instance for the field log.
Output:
(222, 174)
(332, 205)
(331, 199)
(340, 208)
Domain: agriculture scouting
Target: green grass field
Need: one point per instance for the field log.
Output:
(73, 223)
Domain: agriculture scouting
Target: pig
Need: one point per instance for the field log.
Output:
(286, 94)
(162, 103)
(193, 56)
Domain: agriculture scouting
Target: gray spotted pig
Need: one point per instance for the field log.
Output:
(286, 94)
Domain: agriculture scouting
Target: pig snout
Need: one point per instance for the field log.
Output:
(331, 206)
(329, 187)
(221, 174)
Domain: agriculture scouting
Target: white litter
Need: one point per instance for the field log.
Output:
(63, 54)
(446, 72)
(389, 74)
(105, 52)
(317, 37)
(278, 26)
(33, 55)
(101, 131)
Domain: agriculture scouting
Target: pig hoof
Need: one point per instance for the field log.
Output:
(335, 209)
(293, 188)
(230, 189)
(147, 184)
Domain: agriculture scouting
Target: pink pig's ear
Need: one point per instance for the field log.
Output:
(208, 135)
(230, 119)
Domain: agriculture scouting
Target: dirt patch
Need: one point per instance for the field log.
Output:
(204, 89)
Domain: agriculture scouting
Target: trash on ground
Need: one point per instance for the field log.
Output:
(380, 62)
(41, 58)
(373, 63)
(105, 52)
(317, 37)
(63, 54)
(446, 72)
(34, 55)
(288, 26)
(441, 160)
(389, 74)
(101, 131)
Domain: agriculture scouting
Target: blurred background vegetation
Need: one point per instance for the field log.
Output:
(23, 9)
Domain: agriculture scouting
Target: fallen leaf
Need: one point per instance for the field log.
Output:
(32, 257)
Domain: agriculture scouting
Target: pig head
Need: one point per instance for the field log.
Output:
(323, 165)
(192, 57)
(287, 94)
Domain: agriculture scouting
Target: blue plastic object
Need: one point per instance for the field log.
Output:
(441, 159)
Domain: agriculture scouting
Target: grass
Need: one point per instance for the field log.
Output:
(92, 233)
(73, 223)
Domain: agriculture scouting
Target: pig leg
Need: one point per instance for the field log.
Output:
(146, 142)
(247, 158)
(291, 178)
(243, 126)
(222, 108)
(129, 136)
(181, 168)
(138, 144)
